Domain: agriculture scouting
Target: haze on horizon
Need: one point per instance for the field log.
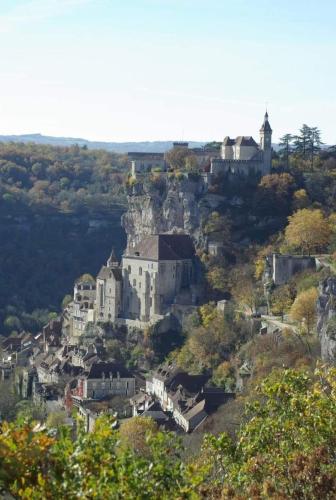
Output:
(166, 69)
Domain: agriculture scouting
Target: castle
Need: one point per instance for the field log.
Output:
(240, 155)
(243, 154)
(159, 272)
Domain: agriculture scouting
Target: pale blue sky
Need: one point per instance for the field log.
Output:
(166, 69)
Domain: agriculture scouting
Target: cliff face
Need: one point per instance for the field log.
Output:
(167, 206)
(326, 320)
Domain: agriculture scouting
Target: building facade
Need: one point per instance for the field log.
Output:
(109, 291)
(82, 308)
(105, 379)
(243, 154)
(157, 273)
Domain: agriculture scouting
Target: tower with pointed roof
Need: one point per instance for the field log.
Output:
(266, 142)
(112, 261)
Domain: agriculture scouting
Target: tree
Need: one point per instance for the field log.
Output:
(207, 346)
(300, 199)
(281, 300)
(274, 193)
(302, 141)
(308, 230)
(315, 143)
(176, 157)
(303, 309)
(217, 278)
(286, 147)
(285, 449)
(133, 433)
(218, 227)
(12, 323)
(246, 292)
(93, 465)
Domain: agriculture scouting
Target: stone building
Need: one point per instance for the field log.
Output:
(105, 379)
(82, 309)
(157, 273)
(142, 163)
(243, 154)
(109, 290)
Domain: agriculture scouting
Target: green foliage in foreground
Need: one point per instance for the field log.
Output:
(284, 450)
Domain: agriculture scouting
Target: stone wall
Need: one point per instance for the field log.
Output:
(281, 268)
(326, 319)
(238, 166)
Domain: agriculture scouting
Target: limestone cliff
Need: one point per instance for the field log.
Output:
(326, 320)
(167, 205)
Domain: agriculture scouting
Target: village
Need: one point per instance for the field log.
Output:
(68, 366)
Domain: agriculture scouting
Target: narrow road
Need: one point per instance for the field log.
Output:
(277, 322)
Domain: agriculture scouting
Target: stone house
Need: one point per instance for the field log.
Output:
(105, 379)
(109, 291)
(142, 163)
(82, 308)
(185, 397)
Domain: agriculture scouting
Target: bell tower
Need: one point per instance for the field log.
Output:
(266, 144)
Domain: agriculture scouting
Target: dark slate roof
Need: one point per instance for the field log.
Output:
(228, 142)
(190, 383)
(117, 273)
(245, 140)
(113, 257)
(97, 370)
(106, 272)
(266, 127)
(164, 247)
(166, 372)
(12, 343)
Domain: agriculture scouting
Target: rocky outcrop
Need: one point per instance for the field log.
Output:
(326, 319)
(169, 205)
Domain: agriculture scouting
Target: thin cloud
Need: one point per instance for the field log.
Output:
(36, 11)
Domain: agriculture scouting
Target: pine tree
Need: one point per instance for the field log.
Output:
(314, 144)
(286, 147)
(302, 141)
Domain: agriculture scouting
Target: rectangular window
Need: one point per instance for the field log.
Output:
(134, 282)
(101, 295)
(140, 271)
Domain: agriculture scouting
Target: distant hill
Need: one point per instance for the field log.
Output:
(118, 147)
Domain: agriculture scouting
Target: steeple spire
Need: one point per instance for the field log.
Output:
(112, 260)
(266, 127)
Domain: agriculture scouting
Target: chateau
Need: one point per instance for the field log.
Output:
(243, 154)
(159, 272)
(240, 155)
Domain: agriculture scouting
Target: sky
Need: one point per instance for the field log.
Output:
(135, 70)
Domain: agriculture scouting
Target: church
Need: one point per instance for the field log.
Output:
(243, 154)
(159, 273)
